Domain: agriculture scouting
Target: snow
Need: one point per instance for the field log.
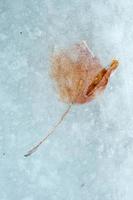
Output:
(90, 154)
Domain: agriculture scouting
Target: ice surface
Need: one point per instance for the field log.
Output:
(90, 156)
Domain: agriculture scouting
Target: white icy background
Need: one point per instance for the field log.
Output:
(90, 156)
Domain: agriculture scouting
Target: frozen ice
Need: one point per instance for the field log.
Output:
(90, 156)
